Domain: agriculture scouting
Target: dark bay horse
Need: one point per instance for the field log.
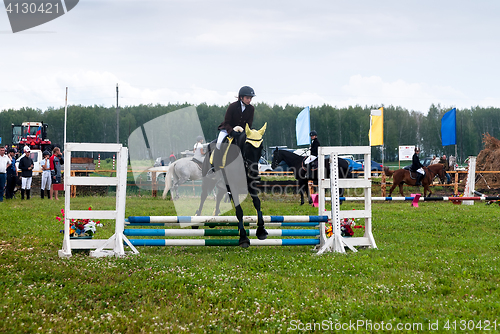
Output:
(402, 176)
(296, 163)
(236, 178)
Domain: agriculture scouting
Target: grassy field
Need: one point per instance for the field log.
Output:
(436, 266)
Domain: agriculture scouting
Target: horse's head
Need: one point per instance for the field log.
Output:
(253, 144)
(276, 158)
(440, 171)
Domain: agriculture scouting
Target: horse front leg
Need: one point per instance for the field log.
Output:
(244, 242)
(261, 231)
(301, 192)
(427, 189)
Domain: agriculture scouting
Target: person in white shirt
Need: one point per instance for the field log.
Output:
(4, 164)
(199, 152)
(46, 177)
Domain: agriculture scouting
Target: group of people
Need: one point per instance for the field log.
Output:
(51, 173)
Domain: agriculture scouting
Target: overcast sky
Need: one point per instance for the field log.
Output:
(306, 53)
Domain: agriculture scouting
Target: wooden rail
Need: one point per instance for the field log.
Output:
(288, 174)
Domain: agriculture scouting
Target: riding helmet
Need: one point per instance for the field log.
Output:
(199, 138)
(246, 91)
(313, 133)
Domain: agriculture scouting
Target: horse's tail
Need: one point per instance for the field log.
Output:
(168, 178)
(388, 172)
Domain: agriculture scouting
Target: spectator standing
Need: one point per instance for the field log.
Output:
(172, 157)
(4, 164)
(55, 171)
(46, 177)
(11, 175)
(444, 161)
(26, 167)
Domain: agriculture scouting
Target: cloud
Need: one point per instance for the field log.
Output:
(373, 90)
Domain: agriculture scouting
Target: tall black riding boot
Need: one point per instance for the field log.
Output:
(41, 193)
(308, 172)
(28, 192)
(419, 180)
(48, 194)
(22, 193)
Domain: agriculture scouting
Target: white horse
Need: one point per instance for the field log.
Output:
(178, 173)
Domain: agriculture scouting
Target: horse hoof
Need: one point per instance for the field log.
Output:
(244, 242)
(195, 227)
(261, 233)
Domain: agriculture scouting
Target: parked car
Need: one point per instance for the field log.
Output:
(264, 166)
(376, 167)
(354, 166)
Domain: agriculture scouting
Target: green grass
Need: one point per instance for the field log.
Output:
(437, 262)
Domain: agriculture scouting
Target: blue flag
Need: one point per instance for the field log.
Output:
(449, 128)
(303, 127)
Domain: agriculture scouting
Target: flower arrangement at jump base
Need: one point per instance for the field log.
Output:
(346, 227)
(81, 228)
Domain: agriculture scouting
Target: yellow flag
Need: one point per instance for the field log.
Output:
(376, 134)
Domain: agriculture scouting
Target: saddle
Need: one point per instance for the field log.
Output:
(313, 164)
(218, 159)
(198, 163)
(413, 174)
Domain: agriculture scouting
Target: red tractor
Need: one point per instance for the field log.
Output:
(33, 134)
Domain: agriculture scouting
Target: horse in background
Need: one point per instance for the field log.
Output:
(402, 176)
(296, 163)
(177, 173)
(230, 179)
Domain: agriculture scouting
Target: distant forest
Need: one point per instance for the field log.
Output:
(335, 126)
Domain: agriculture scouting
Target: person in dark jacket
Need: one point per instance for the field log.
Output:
(238, 114)
(11, 175)
(417, 166)
(26, 167)
(313, 152)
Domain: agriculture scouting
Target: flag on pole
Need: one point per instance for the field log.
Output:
(376, 134)
(39, 131)
(303, 127)
(449, 128)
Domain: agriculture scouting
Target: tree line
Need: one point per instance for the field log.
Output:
(335, 126)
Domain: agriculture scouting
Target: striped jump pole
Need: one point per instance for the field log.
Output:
(425, 199)
(143, 232)
(169, 234)
(223, 242)
(294, 224)
(224, 219)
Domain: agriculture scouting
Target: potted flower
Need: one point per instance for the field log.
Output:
(81, 228)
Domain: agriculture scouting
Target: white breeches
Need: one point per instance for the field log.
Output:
(222, 135)
(310, 159)
(46, 181)
(26, 182)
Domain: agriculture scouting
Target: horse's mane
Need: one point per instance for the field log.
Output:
(294, 158)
